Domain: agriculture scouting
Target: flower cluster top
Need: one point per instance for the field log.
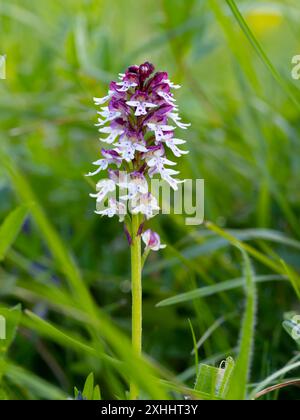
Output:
(139, 122)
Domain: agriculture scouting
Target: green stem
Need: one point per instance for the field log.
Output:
(136, 287)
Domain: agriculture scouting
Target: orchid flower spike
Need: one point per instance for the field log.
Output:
(139, 121)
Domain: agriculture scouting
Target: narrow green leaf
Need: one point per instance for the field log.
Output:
(41, 388)
(76, 392)
(229, 365)
(214, 381)
(10, 229)
(238, 383)
(88, 390)
(59, 336)
(208, 379)
(270, 379)
(97, 394)
(217, 288)
(195, 347)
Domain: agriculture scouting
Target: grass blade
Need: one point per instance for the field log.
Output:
(41, 388)
(217, 288)
(270, 379)
(10, 229)
(239, 380)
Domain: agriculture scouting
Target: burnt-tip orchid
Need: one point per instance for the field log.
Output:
(137, 120)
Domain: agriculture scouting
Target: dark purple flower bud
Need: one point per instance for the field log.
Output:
(133, 69)
(116, 92)
(162, 87)
(118, 105)
(131, 78)
(156, 118)
(134, 135)
(157, 79)
(146, 70)
(155, 148)
(140, 96)
(163, 110)
(118, 122)
(109, 153)
(113, 87)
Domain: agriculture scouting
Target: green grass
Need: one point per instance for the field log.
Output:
(69, 270)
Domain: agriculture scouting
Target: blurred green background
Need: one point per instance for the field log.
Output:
(244, 141)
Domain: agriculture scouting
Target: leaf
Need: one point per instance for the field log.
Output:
(238, 382)
(41, 388)
(208, 379)
(88, 390)
(144, 371)
(214, 381)
(10, 229)
(97, 394)
(270, 379)
(217, 288)
(228, 370)
(59, 336)
(76, 392)
(213, 244)
(195, 346)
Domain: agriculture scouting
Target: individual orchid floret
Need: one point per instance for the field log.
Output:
(172, 144)
(145, 204)
(141, 102)
(110, 157)
(113, 131)
(129, 80)
(160, 130)
(145, 70)
(174, 116)
(163, 91)
(172, 85)
(152, 240)
(113, 90)
(101, 101)
(136, 186)
(129, 144)
(115, 208)
(104, 187)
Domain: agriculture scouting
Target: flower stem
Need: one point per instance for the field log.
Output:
(136, 287)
